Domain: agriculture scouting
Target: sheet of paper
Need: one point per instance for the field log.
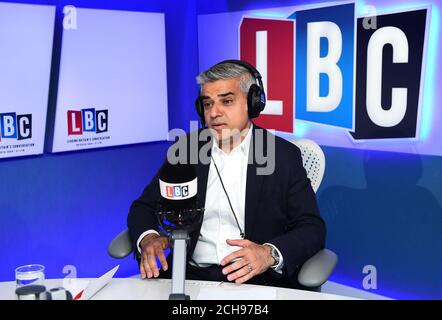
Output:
(75, 286)
(97, 284)
(236, 293)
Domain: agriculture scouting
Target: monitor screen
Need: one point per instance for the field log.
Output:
(26, 37)
(112, 87)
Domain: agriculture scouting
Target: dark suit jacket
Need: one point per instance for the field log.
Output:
(279, 208)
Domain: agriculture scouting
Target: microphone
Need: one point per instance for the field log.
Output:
(178, 204)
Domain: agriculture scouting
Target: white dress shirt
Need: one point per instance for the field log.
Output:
(219, 223)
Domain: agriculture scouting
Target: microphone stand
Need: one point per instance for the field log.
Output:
(178, 226)
(179, 240)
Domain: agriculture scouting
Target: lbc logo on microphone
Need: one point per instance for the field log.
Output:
(87, 120)
(177, 191)
(361, 74)
(15, 126)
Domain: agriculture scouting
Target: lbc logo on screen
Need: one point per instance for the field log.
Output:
(15, 126)
(87, 120)
(360, 74)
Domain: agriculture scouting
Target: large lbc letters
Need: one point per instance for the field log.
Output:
(347, 73)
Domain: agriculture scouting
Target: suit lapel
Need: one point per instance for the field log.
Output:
(253, 188)
(202, 172)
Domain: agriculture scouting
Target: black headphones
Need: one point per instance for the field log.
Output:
(256, 98)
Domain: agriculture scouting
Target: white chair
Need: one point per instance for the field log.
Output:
(313, 160)
(316, 270)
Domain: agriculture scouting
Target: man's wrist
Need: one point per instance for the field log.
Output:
(146, 238)
(141, 237)
(277, 257)
(271, 259)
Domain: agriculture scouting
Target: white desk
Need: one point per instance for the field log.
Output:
(159, 289)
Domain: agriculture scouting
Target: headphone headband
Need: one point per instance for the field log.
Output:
(252, 70)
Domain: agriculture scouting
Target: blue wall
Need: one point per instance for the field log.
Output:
(385, 209)
(382, 209)
(64, 209)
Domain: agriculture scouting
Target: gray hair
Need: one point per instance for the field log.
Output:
(226, 71)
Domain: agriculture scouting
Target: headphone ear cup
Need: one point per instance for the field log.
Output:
(199, 110)
(255, 101)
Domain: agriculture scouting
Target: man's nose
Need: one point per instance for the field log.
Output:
(215, 111)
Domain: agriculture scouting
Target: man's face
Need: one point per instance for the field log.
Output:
(225, 107)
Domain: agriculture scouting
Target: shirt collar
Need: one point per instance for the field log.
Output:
(243, 146)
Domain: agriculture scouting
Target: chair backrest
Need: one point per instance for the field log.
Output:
(313, 160)
(316, 270)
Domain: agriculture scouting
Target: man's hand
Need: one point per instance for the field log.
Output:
(253, 259)
(152, 246)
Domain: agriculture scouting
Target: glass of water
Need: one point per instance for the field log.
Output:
(30, 274)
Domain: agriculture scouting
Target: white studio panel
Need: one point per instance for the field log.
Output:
(112, 86)
(26, 37)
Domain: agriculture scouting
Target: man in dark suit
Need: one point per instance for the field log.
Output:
(260, 223)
